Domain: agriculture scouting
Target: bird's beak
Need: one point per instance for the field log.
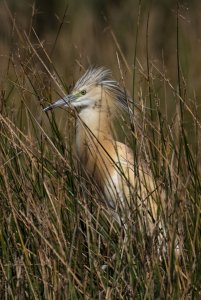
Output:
(61, 102)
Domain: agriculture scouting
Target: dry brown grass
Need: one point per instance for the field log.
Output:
(56, 234)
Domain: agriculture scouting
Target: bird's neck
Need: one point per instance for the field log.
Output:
(98, 119)
(94, 139)
(94, 134)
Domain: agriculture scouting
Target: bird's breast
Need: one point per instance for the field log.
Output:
(94, 150)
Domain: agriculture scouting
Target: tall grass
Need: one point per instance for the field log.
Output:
(57, 238)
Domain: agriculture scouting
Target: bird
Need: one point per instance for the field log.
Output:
(127, 184)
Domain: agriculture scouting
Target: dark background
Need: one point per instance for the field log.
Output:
(79, 33)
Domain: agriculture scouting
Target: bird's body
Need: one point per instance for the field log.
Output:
(109, 162)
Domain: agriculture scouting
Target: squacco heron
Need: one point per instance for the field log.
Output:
(97, 99)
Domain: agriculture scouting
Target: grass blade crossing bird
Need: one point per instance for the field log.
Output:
(98, 98)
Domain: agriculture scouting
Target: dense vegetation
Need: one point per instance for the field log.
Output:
(56, 234)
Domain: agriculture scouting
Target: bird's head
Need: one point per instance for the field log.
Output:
(89, 89)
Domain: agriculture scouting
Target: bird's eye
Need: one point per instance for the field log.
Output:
(83, 92)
